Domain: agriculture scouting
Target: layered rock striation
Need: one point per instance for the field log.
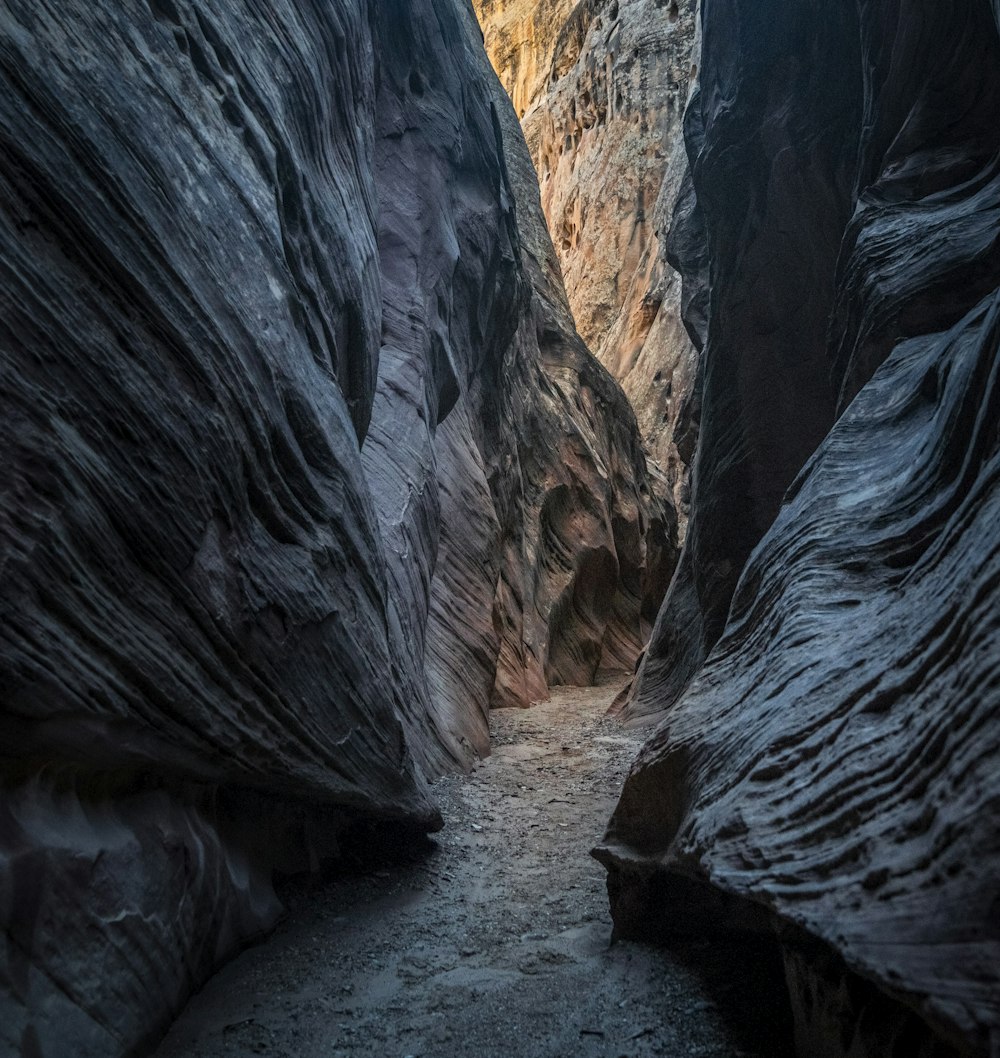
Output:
(600, 87)
(296, 463)
(774, 191)
(831, 769)
(580, 588)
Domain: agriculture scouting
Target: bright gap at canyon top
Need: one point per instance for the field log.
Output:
(500, 528)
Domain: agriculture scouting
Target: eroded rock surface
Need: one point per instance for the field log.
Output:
(810, 225)
(832, 769)
(600, 87)
(279, 456)
(580, 587)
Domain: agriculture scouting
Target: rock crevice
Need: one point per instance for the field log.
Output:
(600, 88)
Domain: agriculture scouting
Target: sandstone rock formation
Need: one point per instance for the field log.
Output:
(581, 587)
(600, 87)
(787, 290)
(832, 770)
(293, 454)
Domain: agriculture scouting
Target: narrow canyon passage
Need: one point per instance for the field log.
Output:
(492, 939)
(370, 368)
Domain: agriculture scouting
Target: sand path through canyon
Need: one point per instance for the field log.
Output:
(493, 939)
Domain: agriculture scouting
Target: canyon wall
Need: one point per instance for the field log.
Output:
(582, 584)
(829, 774)
(299, 469)
(600, 88)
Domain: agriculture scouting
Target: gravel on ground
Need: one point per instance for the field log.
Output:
(490, 940)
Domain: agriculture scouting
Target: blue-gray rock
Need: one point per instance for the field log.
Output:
(833, 768)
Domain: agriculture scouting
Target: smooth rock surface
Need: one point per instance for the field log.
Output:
(272, 500)
(834, 767)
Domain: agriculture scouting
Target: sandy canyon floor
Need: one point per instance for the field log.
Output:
(491, 939)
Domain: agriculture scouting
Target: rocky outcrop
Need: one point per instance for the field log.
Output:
(600, 87)
(831, 770)
(285, 474)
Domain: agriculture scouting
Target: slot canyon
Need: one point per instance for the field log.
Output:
(500, 528)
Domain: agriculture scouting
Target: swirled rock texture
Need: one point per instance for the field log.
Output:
(773, 209)
(295, 461)
(600, 88)
(581, 585)
(833, 769)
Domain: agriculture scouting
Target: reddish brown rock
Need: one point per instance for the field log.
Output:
(581, 584)
(600, 88)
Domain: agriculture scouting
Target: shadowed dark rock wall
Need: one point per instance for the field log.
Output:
(279, 442)
(772, 134)
(809, 226)
(832, 769)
